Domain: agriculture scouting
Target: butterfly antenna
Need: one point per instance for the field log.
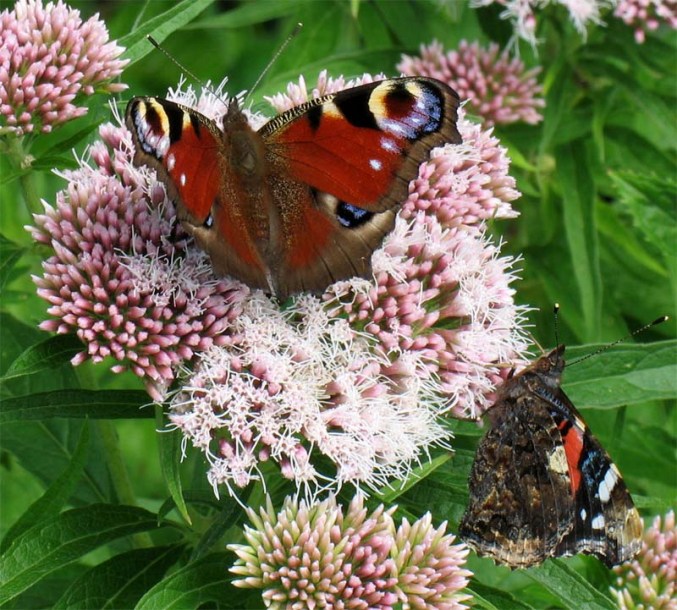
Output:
(555, 313)
(617, 341)
(176, 62)
(283, 46)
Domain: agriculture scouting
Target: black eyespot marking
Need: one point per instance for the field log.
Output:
(195, 122)
(354, 105)
(314, 116)
(175, 119)
(351, 216)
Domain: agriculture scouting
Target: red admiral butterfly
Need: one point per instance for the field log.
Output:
(306, 199)
(541, 485)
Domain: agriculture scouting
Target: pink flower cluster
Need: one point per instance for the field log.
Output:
(317, 556)
(498, 88)
(117, 281)
(647, 15)
(643, 15)
(360, 376)
(650, 580)
(49, 59)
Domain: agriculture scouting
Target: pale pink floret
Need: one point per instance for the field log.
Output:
(523, 14)
(498, 88)
(49, 60)
(650, 580)
(430, 567)
(116, 280)
(318, 556)
(647, 15)
(360, 376)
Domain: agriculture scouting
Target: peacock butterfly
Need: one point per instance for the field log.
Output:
(305, 200)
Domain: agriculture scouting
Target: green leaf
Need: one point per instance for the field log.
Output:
(200, 582)
(97, 404)
(492, 598)
(390, 493)
(622, 375)
(57, 442)
(230, 515)
(121, 581)
(251, 13)
(50, 353)
(10, 253)
(573, 591)
(55, 496)
(160, 27)
(578, 195)
(170, 454)
(53, 544)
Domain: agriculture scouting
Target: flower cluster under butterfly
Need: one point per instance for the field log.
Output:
(541, 484)
(304, 201)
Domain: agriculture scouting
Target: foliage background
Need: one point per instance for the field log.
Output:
(597, 234)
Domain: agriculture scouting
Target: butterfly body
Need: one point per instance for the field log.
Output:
(305, 200)
(541, 485)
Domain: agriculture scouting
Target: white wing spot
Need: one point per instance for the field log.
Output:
(607, 485)
(182, 179)
(598, 522)
(171, 162)
(389, 145)
(375, 164)
(584, 514)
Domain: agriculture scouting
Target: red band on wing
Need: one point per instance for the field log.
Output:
(573, 447)
(356, 165)
(192, 163)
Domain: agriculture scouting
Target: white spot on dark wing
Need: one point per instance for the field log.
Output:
(182, 179)
(171, 162)
(389, 145)
(584, 514)
(607, 485)
(598, 522)
(375, 164)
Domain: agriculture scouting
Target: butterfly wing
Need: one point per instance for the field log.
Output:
(606, 522)
(305, 201)
(184, 147)
(348, 159)
(519, 486)
(541, 484)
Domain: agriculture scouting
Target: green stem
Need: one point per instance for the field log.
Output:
(122, 484)
(22, 161)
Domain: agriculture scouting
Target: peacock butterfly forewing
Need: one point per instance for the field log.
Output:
(305, 200)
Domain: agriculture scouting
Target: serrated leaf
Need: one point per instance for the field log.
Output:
(55, 496)
(572, 590)
(121, 581)
(57, 542)
(96, 404)
(622, 375)
(47, 354)
(205, 580)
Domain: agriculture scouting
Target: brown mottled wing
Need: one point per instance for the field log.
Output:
(541, 484)
(520, 499)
